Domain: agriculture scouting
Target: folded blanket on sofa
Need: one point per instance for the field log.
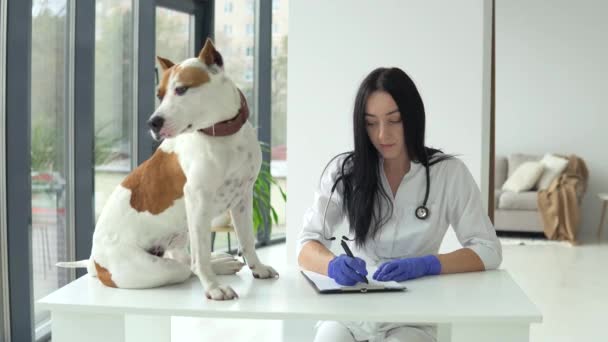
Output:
(559, 205)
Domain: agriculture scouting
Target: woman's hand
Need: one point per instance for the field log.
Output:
(408, 268)
(346, 270)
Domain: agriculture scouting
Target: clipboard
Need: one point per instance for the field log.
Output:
(326, 285)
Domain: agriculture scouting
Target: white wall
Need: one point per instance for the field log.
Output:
(334, 44)
(551, 86)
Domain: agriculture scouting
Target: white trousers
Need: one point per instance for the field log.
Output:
(331, 331)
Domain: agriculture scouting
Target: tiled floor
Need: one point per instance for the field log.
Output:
(569, 284)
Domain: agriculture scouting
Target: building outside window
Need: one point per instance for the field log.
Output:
(228, 30)
(228, 7)
(249, 75)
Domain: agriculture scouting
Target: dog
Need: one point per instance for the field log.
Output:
(205, 166)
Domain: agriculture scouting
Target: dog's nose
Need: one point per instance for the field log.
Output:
(156, 123)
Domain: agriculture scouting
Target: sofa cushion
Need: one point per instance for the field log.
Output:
(500, 171)
(524, 178)
(516, 159)
(553, 167)
(518, 200)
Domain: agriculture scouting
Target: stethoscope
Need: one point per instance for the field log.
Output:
(422, 212)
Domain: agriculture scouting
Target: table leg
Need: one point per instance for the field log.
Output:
(298, 330)
(147, 328)
(599, 228)
(460, 332)
(78, 327)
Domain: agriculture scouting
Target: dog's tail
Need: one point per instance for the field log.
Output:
(73, 264)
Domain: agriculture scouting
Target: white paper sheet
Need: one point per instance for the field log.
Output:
(325, 283)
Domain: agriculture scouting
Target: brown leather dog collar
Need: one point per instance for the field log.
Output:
(230, 126)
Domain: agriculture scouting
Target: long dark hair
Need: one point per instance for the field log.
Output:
(359, 172)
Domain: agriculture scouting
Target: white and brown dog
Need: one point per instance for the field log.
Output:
(206, 166)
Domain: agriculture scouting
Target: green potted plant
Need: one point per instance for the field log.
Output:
(263, 211)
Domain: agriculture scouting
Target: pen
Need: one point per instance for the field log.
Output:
(350, 254)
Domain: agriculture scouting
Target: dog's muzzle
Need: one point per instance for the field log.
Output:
(156, 123)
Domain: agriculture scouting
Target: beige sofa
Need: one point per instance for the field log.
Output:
(514, 211)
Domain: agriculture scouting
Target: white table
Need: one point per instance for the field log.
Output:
(486, 306)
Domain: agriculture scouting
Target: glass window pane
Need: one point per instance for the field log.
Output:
(174, 37)
(48, 148)
(237, 45)
(113, 96)
(278, 162)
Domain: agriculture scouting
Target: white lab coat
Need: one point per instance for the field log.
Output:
(454, 199)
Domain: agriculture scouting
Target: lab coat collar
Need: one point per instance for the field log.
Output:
(414, 169)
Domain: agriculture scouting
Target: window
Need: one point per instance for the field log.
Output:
(278, 163)
(55, 48)
(231, 46)
(228, 7)
(113, 97)
(49, 170)
(174, 37)
(249, 75)
(249, 51)
(228, 30)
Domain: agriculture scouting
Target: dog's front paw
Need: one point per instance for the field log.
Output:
(226, 266)
(221, 292)
(263, 271)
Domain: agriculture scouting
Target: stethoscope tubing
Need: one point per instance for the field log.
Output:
(422, 212)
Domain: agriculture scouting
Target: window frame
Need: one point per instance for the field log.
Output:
(17, 138)
(4, 295)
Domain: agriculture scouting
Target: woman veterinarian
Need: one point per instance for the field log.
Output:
(399, 198)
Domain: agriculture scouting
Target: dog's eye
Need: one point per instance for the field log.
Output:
(180, 90)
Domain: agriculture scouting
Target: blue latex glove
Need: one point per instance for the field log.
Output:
(408, 268)
(346, 270)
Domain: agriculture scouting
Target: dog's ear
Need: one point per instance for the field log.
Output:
(164, 63)
(209, 55)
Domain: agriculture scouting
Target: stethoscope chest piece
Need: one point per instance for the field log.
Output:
(422, 212)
